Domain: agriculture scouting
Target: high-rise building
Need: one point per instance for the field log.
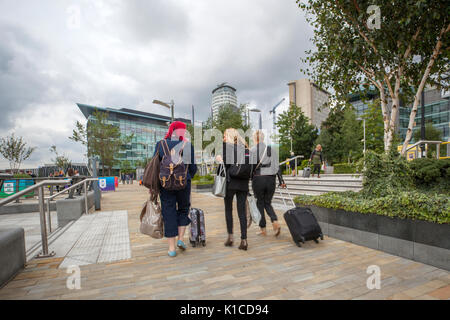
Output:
(147, 130)
(222, 95)
(312, 100)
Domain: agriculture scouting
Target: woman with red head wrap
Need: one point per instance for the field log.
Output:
(175, 204)
(177, 127)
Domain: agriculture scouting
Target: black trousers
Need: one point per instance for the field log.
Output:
(241, 197)
(316, 168)
(264, 189)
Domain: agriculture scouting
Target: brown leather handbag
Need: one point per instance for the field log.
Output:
(152, 223)
(151, 178)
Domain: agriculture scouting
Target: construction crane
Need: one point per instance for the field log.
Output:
(274, 114)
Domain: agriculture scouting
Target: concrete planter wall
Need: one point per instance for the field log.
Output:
(417, 240)
(201, 187)
(72, 209)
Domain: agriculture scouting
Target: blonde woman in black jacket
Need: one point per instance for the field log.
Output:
(235, 151)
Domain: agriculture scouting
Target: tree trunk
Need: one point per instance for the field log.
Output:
(421, 87)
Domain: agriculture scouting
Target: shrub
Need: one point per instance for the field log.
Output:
(344, 168)
(385, 174)
(405, 204)
(21, 176)
(431, 174)
(207, 179)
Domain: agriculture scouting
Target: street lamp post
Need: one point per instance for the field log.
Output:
(255, 110)
(170, 105)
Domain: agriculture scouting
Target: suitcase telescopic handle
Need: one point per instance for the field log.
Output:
(290, 197)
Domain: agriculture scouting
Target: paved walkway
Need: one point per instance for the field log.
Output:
(270, 269)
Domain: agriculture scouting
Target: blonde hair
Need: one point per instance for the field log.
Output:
(258, 136)
(231, 135)
(319, 147)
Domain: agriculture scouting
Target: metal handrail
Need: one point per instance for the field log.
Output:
(293, 158)
(70, 188)
(40, 186)
(422, 142)
(51, 197)
(32, 188)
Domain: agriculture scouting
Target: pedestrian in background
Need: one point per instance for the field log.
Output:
(317, 160)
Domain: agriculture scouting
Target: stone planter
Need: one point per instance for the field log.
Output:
(202, 187)
(418, 240)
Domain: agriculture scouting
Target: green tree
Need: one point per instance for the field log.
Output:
(229, 117)
(352, 134)
(61, 161)
(341, 135)
(101, 138)
(374, 127)
(408, 50)
(15, 151)
(294, 124)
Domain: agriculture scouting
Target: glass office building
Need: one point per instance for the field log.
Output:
(437, 111)
(147, 130)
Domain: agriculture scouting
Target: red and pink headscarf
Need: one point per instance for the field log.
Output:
(175, 126)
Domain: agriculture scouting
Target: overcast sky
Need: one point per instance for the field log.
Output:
(113, 53)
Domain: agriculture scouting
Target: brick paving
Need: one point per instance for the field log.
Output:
(272, 268)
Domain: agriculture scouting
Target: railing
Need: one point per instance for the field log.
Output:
(40, 186)
(424, 142)
(76, 185)
(289, 160)
(17, 184)
(41, 200)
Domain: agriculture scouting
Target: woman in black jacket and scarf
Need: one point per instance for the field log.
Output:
(235, 151)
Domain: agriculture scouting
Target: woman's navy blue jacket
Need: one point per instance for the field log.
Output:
(188, 157)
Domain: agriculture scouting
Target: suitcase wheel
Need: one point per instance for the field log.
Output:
(298, 244)
(321, 237)
(316, 241)
(193, 244)
(302, 239)
(204, 243)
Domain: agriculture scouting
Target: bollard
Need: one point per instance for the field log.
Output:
(86, 197)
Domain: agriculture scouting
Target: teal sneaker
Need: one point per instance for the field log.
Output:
(181, 245)
(172, 253)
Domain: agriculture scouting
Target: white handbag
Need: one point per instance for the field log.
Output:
(220, 183)
(254, 211)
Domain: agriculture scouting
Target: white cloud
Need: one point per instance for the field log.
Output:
(127, 53)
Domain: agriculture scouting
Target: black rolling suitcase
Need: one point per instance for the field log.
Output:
(197, 235)
(302, 224)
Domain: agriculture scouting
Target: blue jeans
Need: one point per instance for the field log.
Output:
(175, 209)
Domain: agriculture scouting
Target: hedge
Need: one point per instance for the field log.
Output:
(202, 180)
(405, 204)
(344, 168)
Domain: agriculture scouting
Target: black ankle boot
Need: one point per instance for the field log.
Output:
(243, 245)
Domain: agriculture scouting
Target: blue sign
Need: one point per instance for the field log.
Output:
(107, 184)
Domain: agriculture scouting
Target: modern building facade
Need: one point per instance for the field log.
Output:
(222, 95)
(147, 130)
(311, 99)
(437, 111)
